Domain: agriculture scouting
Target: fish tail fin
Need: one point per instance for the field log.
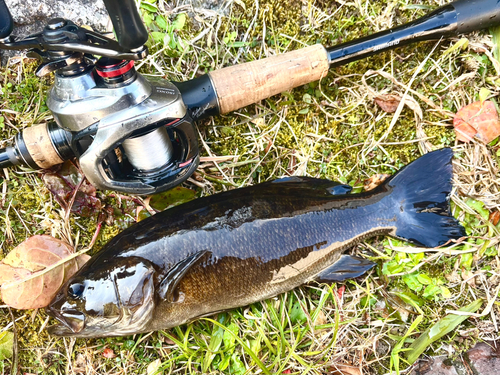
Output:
(422, 190)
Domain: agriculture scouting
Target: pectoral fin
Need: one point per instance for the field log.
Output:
(347, 267)
(175, 274)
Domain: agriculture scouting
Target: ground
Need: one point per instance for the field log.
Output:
(330, 129)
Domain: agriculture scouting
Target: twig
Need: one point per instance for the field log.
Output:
(72, 201)
(14, 348)
(4, 185)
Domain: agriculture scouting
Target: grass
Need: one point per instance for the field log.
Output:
(329, 129)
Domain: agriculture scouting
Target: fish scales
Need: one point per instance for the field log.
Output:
(254, 243)
(242, 246)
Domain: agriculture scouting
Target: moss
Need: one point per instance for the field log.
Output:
(280, 132)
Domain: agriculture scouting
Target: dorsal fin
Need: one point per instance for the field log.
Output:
(314, 185)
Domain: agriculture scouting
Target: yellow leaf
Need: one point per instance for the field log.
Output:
(461, 44)
(153, 367)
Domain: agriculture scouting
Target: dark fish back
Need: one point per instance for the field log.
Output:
(268, 245)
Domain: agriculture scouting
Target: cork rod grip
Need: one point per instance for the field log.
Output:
(40, 146)
(240, 85)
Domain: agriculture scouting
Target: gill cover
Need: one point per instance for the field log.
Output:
(135, 291)
(115, 298)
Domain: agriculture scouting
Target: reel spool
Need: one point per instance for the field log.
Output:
(149, 152)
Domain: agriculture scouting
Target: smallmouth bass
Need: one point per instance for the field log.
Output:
(245, 245)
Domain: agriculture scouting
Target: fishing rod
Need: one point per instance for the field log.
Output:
(136, 134)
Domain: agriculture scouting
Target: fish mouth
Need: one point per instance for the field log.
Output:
(72, 322)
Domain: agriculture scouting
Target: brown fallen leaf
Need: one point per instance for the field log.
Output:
(469, 277)
(341, 369)
(374, 181)
(32, 257)
(63, 181)
(108, 353)
(494, 217)
(320, 319)
(388, 103)
(479, 119)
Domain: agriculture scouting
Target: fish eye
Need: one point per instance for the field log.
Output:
(75, 290)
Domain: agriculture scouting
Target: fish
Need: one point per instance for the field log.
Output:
(235, 248)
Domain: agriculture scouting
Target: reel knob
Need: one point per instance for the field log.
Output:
(114, 71)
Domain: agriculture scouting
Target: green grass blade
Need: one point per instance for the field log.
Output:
(394, 360)
(265, 338)
(438, 330)
(495, 36)
(244, 346)
(215, 343)
(276, 320)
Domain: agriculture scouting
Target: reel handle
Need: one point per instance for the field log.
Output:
(130, 30)
(6, 22)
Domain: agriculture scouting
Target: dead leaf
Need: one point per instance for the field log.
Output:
(388, 103)
(375, 180)
(469, 277)
(453, 276)
(62, 183)
(259, 121)
(494, 217)
(479, 119)
(169, 341)
(29, 258)
(154, 367)
(340, 369)
(108, 353)
(320, 319)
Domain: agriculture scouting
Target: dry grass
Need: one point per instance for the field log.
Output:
(331, 130)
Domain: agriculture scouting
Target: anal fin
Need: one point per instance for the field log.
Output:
(347, 267)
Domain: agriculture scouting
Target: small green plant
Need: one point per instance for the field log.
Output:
(165, 33)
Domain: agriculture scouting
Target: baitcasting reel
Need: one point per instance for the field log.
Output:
(136, 134)
(129, 133)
